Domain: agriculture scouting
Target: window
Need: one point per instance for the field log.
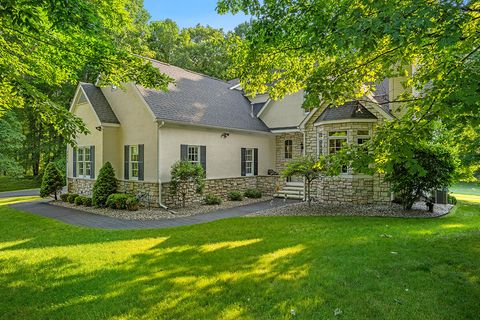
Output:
(83, 162)
(336, 140)
(249, 162)
(363, 136)
(134, 162)
(193, 154)
(320, 144)
(288, 149)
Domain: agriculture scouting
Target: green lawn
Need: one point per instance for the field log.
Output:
(244, 268)
(11, 184)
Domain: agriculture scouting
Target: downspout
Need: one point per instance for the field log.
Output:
(303, 153)
(159, 181)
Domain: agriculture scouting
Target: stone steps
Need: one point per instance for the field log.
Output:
(291, 190)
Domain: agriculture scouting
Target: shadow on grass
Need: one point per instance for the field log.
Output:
(243, 268)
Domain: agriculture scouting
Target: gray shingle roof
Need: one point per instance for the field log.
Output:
(350, 110)
(200, 100)
(99, 103)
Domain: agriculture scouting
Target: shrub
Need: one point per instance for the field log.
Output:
(105, 185)
(212, 199)
(253, 193)
(431, 167)
(79, 200)
(122, 201)
(235, 196)
(452, 199)
(52, 181)
(183, 173)
(132, 203)
(64, 197)
(71, 198)
(87, 201)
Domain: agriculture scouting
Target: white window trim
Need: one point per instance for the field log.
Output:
(251, 161)
(363, 136)
(130, 162)
(83, 176)
(285, 150)
(320, 137)
(346, 138)
(198, 151)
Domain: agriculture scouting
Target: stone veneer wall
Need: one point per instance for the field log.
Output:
(280, 161)
(357, 189)
(352, 188)
(266, 184)
(148, 191)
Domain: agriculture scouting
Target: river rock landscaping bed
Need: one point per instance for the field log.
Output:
(419, 210)
(159, 213)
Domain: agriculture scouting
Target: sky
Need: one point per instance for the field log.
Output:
(188, 13)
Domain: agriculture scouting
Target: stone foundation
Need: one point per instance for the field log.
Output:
(221, 187)
(148, 191)
(357, 189)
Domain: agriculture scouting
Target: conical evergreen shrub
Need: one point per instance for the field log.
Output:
(105, 185)
(52, 181)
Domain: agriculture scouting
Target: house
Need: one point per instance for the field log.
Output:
(238, 141)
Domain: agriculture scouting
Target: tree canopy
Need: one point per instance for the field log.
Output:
(47, 45)
(200, 48)
(337, 49)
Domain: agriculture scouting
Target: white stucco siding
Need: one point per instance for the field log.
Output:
(137, 126)
(223, 154)
(94, 138)
(286, 112)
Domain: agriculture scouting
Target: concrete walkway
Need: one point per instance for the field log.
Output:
(85, 219)
(20, 193)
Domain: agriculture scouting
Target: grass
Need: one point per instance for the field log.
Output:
(13, 200)
(244, 268)
(12, 184)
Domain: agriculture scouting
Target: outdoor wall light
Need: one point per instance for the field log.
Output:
(99, 128)
(224, 135)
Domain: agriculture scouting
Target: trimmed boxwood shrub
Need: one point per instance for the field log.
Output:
(212, 199)
(253, 193)
(87, 201)
(105, 185)
(235, 196)
(79, 200)
(64, 197)
(71, 198)
(122, 201)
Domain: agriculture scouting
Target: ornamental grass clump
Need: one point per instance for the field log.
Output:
(212, 199)
(235, 196)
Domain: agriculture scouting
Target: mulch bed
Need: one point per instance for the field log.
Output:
(159, 213)
(419, 210)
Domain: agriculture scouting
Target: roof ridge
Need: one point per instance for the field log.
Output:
(187, 70)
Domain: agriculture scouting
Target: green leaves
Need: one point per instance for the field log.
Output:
(46, 46)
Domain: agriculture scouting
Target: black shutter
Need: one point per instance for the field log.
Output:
(74, 162)
(141, 162)
(126, 162)
(255, 162)
(183, 152)
(203, 158)
(242, 159)
(92, 162)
